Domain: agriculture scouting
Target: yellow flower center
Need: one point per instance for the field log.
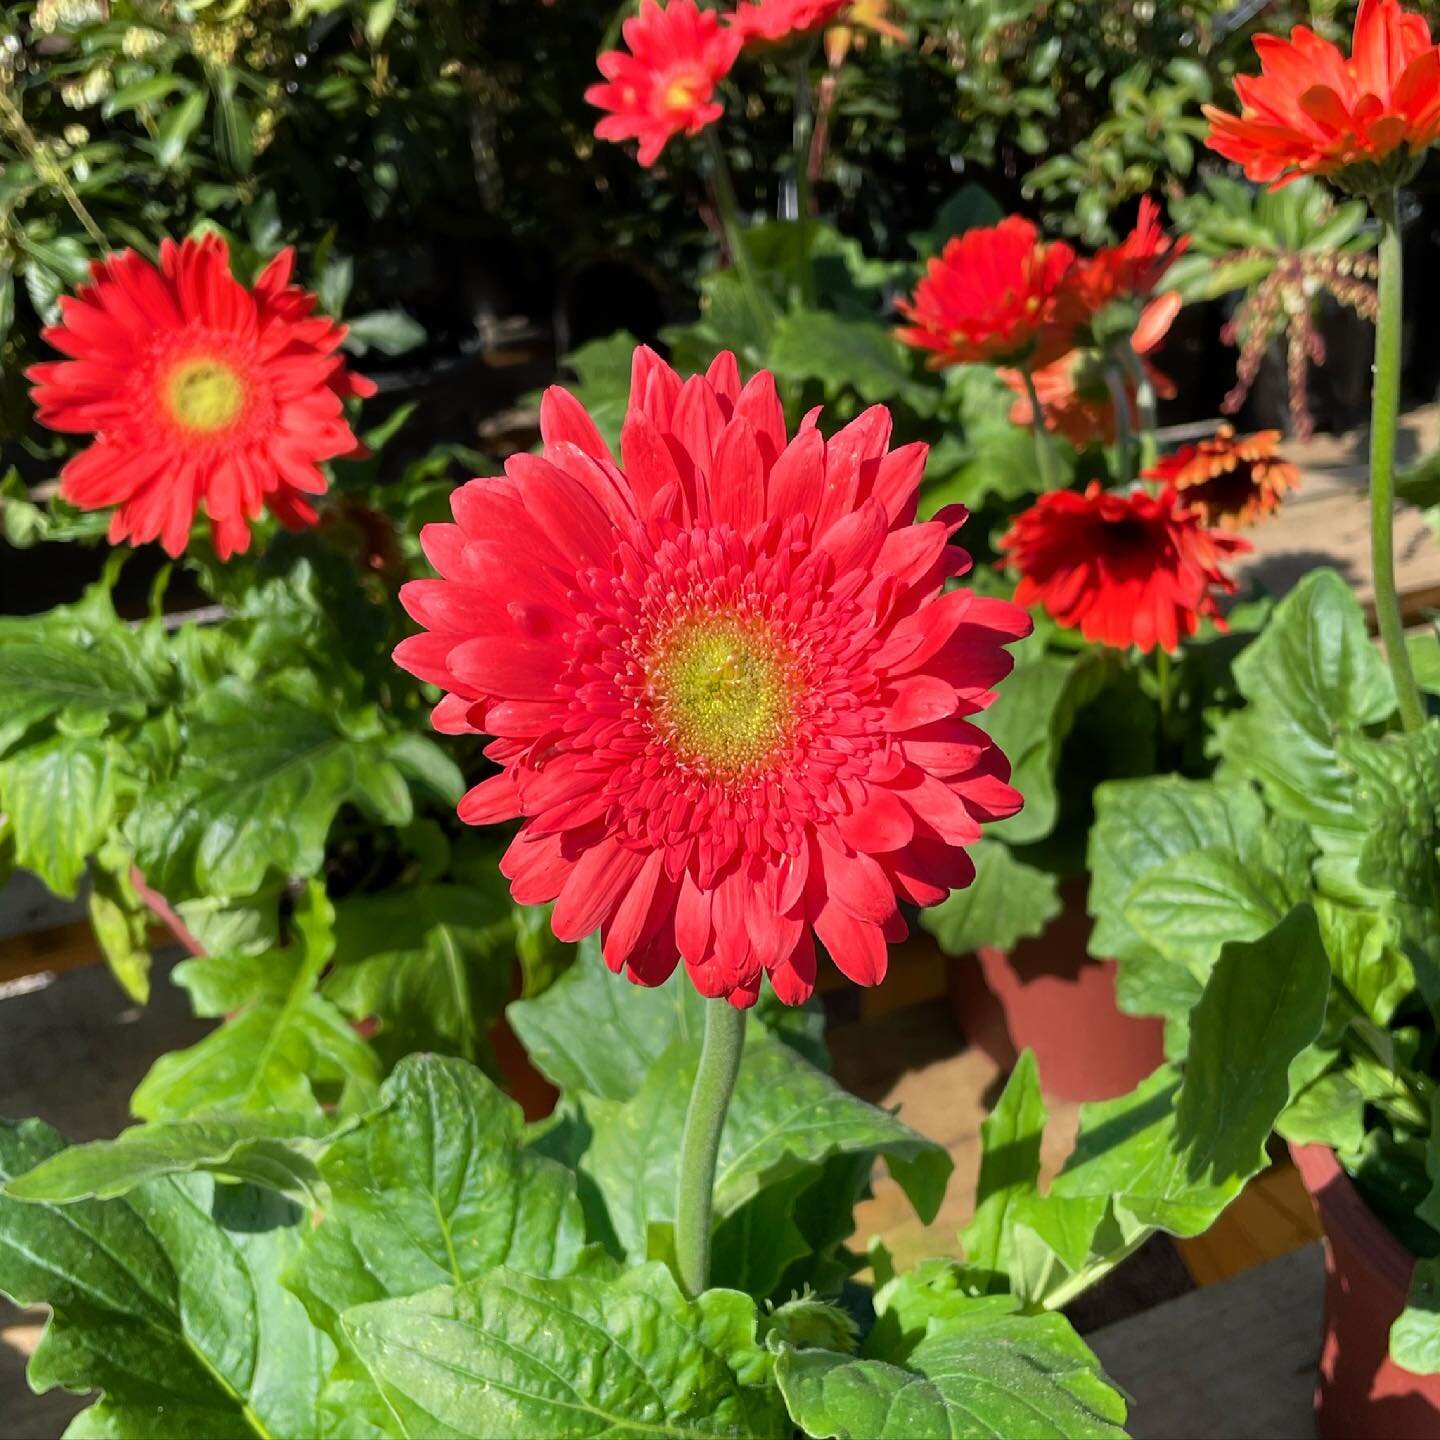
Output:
(204, 394)
(723, 692)
(682, 92)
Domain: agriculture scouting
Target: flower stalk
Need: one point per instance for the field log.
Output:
(729, 210)
(803, 126)
(700, 1144)
(1044, 446)
(1384, 420)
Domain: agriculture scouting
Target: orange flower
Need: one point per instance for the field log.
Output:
(1073, 393)
(1228, 480)
(864, 17)
(663, 86)
(1131, 270)
(991, 296)
(1363, 121)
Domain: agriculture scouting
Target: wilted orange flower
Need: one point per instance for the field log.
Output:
(992, 296)
(663, 86)
(1310, 111)
(1073, 393)
(1229, 480)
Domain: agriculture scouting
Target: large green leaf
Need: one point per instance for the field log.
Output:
(1415, 1335)
(60, 795)
(282, 1038)
(522, 1357)
(845, 354)
(262, 773)
(1007, 902)
(432, 1189)
(1311, 676)
(1010, 1139)
(595, 1033)
(976, 1369)
(1175, 1154)
(275, 1151)
(167, 1301)
(785, 1117)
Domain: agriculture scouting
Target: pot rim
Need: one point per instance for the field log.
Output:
(1342, 1208)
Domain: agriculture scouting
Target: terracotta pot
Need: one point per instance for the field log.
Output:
(1360, 1391)
(1049, 996)
(535, 1094)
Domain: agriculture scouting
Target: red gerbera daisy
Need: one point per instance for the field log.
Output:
(663, 86)
(1123, 569)
(730, 690)
(1310, 111)
(201, 394)
(992, 295)
(772, 22)
(1231, 481)
(1131, 270)
(1073, 392)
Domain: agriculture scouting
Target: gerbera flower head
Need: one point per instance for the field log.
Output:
(1074, 394)
(1229, 480)
(992, 295)
(732, 700)
(1364, 121)
(665, 83)
(1118, 278)
(776, 22)
(201, 395)
(1122, 568)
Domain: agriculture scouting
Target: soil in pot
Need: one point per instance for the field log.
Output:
(1360, 1393)
(1049, 996)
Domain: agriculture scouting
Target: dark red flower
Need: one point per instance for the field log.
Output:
(1131, 270)
(1231, 481)
(201, 395)
(992, 295)
(663, 86)
(1312, 111)
(1123, 569)
(732, 699)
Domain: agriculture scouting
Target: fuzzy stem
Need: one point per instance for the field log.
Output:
(1044, 447)
(804, 125)
(729, 209)
(1384, 418)
(1120, 403)
(1144, 399)
(700, 1144)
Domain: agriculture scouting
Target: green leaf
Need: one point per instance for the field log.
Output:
(1365, 960)
(980, 1370)
(1010, 1139)
(1008, 901)
(1329, 1111)
(262, 772)
(141, 93)
(281, 1041)
(433, 1189)
(173, 133)
(392, 332)
(845, 354)
(168, 1301)
(278, 1152)
(1175, 1161)
(120, 921)
(592, 1032)
(522, 1357)
(785, 1117)
(60, 796)
(432, 964)
(1415, 1335)
(1311, 676)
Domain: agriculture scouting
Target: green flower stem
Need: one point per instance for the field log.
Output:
(1144, 400)
(1124, 432)
(1164, 673)
(700, 1144)
(735, 232)
(804, 126)
(1044, 446)
(50, 169)
(1384, 417)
